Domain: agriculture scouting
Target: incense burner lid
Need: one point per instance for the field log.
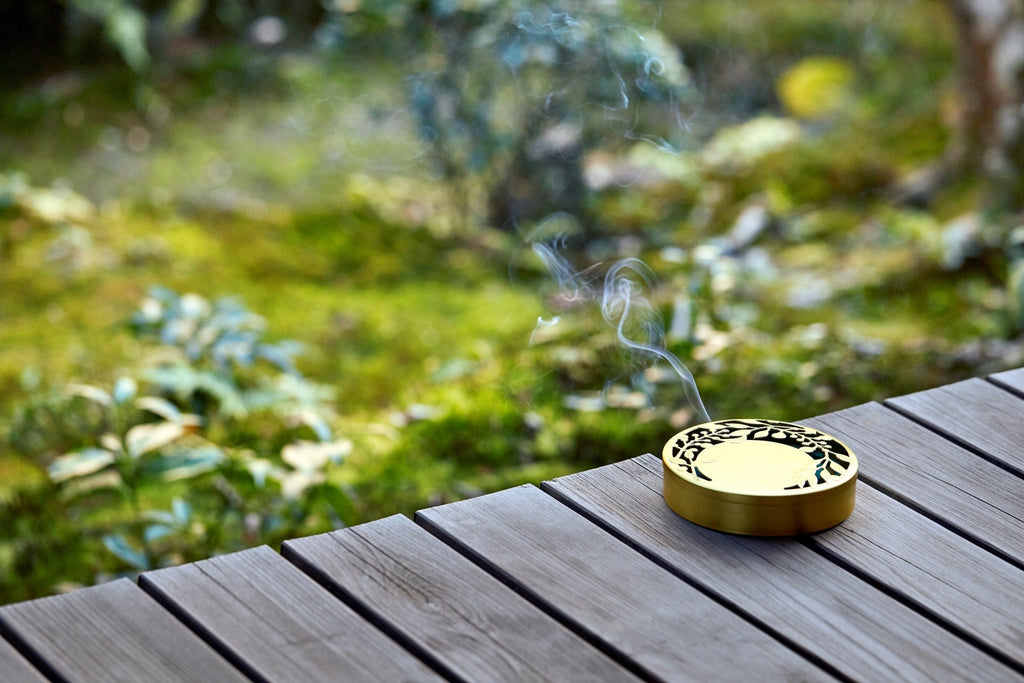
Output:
(759, 477)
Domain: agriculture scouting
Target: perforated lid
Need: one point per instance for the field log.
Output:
(760, 477)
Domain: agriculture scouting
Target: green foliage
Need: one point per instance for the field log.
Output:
(512, 95)
(474, 438)
(360, 247)
(240, 498)
(48, 424)
(124, 26)
(25, 208)
(130, 457)
(224, 335)
(213, 368)
(145, 452)
(1015, 279)
(435, 363)
(41, 548)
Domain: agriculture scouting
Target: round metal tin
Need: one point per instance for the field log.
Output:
(759, 477)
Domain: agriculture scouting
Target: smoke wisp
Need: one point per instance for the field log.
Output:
(622, 293)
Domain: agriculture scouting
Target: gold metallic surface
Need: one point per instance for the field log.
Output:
(759, 477)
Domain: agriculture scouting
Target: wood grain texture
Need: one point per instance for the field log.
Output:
(609, 591)
(978, 498)
(113, 632)
(14, 668)
(278, 624)
(976, 592)
(476, 627)
(789, 588)
(973, 412)
(1011, 379)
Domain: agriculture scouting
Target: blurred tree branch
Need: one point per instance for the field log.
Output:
(989, 133)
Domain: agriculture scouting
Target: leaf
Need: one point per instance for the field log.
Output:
(185, 464)
(295, 483)
(456, 368)
(125, 390)
(80, 464)
(57, 205)
(961, 239)
(309, 456)
(186, 381)
(160, 517)
(142, 439)
(92, 393)
(315, 422)
(119, 545)
(167, 523)
(182, 511)
(278, 355)
(112, 443)
(149, 312)
(160, 406)
(126, 30)
(193, 306)
(336, 498)
(107, 482)
(305, 455)
(260, 468)
(155, 532)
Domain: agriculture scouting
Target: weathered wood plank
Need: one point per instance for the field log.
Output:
(978, 593)
(113, 632)
(609, 591)
(14, 668)
(974, 412)
(1011, 379)
(276, 623)
(789, 588)
(964, 491)
(475, 627)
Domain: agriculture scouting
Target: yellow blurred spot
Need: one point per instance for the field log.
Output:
(815, 86)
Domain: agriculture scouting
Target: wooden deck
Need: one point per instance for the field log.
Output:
(592, 577)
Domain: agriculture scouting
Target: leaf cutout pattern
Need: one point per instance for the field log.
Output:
(832, 459)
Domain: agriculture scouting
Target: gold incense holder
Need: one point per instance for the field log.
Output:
(759, 477)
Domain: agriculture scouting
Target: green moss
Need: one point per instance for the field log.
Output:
(819, 171)
(289, 184)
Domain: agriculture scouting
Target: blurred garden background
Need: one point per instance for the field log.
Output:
(270, 268)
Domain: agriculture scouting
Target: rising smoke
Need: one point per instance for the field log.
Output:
(622, 294)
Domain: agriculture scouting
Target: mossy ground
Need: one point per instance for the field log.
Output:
(295, 182)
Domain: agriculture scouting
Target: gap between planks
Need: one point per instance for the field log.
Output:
(649, 465)
(368, 613)
(904, 405)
